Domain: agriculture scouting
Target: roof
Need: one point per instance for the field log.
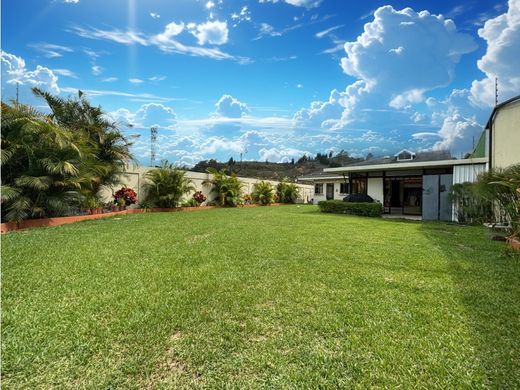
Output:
(320, 175)
(437, 155)
(404, 165)
(498, 107)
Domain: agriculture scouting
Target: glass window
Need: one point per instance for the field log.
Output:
(318, 188)
(343, 188)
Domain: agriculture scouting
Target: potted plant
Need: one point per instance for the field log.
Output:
(93, 205)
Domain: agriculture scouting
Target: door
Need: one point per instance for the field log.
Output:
(445, 208)
(430, 197)
(330, 191)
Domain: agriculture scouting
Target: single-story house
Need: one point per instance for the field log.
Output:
(419, 183)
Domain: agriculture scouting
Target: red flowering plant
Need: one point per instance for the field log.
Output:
(199, 197)
(127, 194)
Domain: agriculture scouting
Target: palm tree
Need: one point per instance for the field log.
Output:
(166, 186)
(287, 192)
(227, 188)
(43, 171)
(110, 149)
(263, 193)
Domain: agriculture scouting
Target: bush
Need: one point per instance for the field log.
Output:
(263, 193)
(127, 194)
(191, 203)
(199, 198)
(339, 207)
(286, 192)
(358, 198)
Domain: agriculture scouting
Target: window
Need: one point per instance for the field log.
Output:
(343, 188)
(405, 155)
(359, 185)
(318, 189)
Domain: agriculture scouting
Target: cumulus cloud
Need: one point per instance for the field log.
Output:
(501, 59)
(15, 72)
(230, 107)
(155, 15)
(275, 154)
(148, 115)
(400, 40)
(213, 32)
(456, 131)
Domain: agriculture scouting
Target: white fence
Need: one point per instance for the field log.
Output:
(134, 178)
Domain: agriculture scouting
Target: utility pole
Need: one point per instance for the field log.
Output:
(153, 142)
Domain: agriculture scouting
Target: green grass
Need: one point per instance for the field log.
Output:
(276, 297)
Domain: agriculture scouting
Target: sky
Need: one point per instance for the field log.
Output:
(271, 79)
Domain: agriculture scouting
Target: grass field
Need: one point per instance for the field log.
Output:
(274, 297)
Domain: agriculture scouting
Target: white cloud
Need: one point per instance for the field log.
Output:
(326, 32)
(229, 107)
(243, 16)
(210, 4)
(400, 41)
(50, 50)
(148, 115)
(157, 78)
(98, 92)
(135, 80)
(501, 60)
(14, 71)
(297, 3)
(456, 131)
(164, 41)
(65, 72)
(155, 15)
(109, 79)
(97, 70)
(267, 30)
(275, 154)
(71, 1)
(299, 86)
(213, 32)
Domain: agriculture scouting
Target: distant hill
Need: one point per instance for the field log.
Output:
(277, 171)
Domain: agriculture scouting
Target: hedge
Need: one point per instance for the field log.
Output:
(339, 207)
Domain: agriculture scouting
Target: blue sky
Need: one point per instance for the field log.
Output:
(271, 79)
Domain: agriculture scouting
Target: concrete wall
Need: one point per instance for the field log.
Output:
(375, 188)
(506, 136)
(134, 178)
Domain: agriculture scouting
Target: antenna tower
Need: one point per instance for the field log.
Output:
(153, 145)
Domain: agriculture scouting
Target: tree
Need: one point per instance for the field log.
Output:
(110, 149)
(263, 193)
(166, 186)
(43, 165)
(228, 189)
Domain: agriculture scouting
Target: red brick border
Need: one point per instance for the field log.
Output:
(46, 222)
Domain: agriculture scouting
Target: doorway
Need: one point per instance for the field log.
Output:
(329, 193)
(403, 195)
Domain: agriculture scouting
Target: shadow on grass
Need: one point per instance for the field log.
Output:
(488, 284)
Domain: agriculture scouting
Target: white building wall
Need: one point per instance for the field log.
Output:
(467, 173)
(375, 188)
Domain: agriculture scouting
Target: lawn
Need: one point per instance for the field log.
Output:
(273, 297)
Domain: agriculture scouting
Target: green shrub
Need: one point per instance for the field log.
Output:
(339, 207)
(287, 192)
(263, 193)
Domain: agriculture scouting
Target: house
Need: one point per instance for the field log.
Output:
(418, 183)
(408, 183)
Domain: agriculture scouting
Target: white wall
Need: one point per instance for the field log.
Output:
(134, 178)
(375, 188)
